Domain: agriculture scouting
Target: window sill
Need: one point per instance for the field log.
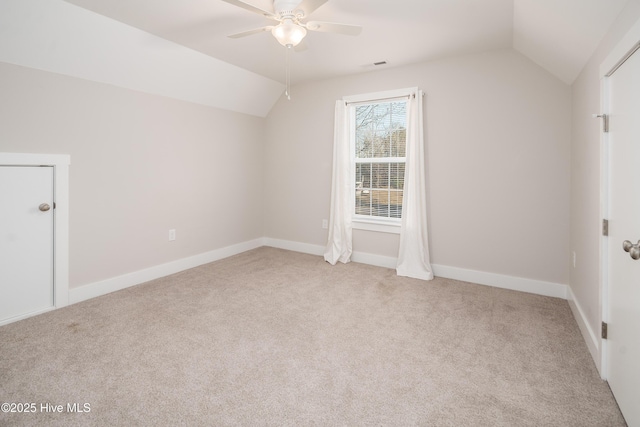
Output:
(379, 226)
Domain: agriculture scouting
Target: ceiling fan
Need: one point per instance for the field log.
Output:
(290, 13)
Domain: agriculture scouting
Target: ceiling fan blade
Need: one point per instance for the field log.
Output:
(309, 6)
(252, 8)
(251, 32)
(332, 27)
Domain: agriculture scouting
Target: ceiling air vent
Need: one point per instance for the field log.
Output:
(380, 63)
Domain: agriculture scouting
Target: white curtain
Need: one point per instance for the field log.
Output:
(413, 257)
(339, 244)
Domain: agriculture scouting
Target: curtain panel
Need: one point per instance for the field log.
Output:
(339, 243)
(413, 256)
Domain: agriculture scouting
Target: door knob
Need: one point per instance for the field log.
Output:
(44, 207)
(634, 250)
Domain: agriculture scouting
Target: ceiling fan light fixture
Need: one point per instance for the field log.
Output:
(288, 33)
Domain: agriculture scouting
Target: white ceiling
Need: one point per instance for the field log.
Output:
(559, 35)
(58, 37)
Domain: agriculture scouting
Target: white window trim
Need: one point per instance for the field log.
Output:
(376, 225)
(384, 225)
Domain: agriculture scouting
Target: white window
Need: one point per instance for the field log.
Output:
(378, 131)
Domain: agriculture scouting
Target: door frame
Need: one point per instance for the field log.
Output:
(621, 50)
(60, 164)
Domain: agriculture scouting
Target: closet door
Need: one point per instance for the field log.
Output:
(623, 342)
(26, 241)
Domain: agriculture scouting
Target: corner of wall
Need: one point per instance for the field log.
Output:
(590, 337)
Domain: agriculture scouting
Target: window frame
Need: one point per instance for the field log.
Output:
(365, 222)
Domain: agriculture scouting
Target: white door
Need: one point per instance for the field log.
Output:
(623, 342)
(26, 240)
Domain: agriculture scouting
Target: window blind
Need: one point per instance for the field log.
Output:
(380, 132)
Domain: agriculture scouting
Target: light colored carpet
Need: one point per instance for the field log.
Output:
(271, 337)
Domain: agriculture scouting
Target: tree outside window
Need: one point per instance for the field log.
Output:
(380, 154)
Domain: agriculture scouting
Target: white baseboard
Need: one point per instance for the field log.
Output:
(590, 337)
(305, 248)
(480, 277)
(521, 284)
(25, 316)
(137, 277)
(483, 278)
(373, 259)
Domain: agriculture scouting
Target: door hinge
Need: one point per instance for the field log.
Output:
(605, 227)
(605, 121)
(604, 330)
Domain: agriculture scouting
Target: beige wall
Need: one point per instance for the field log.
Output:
(585, 178)
(498, 142)
(497, 146)
(140, 165)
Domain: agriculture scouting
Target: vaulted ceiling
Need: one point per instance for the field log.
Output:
(559, 35)
(180, 49)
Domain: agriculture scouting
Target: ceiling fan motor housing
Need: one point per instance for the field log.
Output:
(287, 8)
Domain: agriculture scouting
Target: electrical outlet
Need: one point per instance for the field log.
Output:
(325, 224)
(172, 234)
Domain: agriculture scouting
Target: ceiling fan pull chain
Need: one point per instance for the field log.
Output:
(288, 72)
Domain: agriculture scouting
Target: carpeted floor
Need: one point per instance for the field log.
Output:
(271, 337)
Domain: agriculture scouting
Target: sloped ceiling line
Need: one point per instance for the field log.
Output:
(59, 37)
(561, 35)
